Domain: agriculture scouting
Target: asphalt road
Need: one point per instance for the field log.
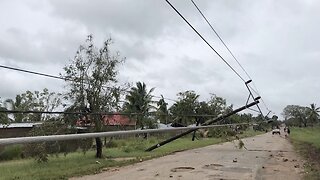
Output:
(267, 157)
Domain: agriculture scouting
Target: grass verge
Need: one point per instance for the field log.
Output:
(307, 143)
(123, 152)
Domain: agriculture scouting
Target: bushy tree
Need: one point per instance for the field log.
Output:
(34, 101)
(92, 78)
(296, 115)
(186, 105)
(218, 105)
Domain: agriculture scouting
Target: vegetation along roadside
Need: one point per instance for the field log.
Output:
(307, 142)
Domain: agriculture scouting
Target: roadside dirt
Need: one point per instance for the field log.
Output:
(267, 157)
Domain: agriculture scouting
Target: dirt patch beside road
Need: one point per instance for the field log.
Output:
(268, 157)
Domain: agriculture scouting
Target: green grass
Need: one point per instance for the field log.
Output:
(307, 142)
(11, 152)
(307, 135)
(77, 163)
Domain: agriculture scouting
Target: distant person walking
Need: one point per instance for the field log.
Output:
(287, 130)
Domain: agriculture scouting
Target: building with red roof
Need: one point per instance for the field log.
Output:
(118, 120)
(111, 122)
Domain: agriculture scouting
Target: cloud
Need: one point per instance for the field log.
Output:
(276, 42)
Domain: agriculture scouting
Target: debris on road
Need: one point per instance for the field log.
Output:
(235, 160)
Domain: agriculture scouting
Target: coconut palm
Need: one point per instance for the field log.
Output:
(313, 113)
(162, 110)
(139, 100)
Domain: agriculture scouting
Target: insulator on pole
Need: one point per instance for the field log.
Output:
(257, 98)
(249, 81)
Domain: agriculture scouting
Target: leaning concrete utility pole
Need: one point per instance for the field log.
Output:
(219, 118)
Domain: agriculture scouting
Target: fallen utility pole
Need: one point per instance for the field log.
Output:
(219, 118)
(65, 137)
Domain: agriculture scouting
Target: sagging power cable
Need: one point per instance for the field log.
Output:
(60, 78)
(220, 39)
(255, 89)
(205, 41)
(186, 21)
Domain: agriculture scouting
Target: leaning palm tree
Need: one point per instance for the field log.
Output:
(313, 113)
(139, 100)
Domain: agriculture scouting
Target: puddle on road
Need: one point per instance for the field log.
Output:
(182, 169)
(212, 166)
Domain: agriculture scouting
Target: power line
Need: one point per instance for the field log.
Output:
(220, 38)
(234, 57)
(101, 113)
(205, 41)
(35, 73)
(58, 77)
(164, 98)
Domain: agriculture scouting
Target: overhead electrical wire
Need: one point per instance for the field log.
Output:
(62, 112)
(255, 89)
(186, 21)
(224, 44)
(164, 98)
(35, 73)
(60, 78)
(205, 41)
(220, 38)
(101, 113)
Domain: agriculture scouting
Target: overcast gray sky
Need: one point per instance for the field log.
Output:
(277, 42)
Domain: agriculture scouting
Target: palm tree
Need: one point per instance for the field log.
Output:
(4, 119)
(16, 105)
(162, 110)
(313, 113)
(139, 100)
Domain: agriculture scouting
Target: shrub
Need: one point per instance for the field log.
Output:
(111, 144)
(11, 152)
(127, 149)
(139, 146)
(152, 140)
(41, 150)
(122, 143)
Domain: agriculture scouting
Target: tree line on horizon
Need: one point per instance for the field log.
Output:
(301, 116)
